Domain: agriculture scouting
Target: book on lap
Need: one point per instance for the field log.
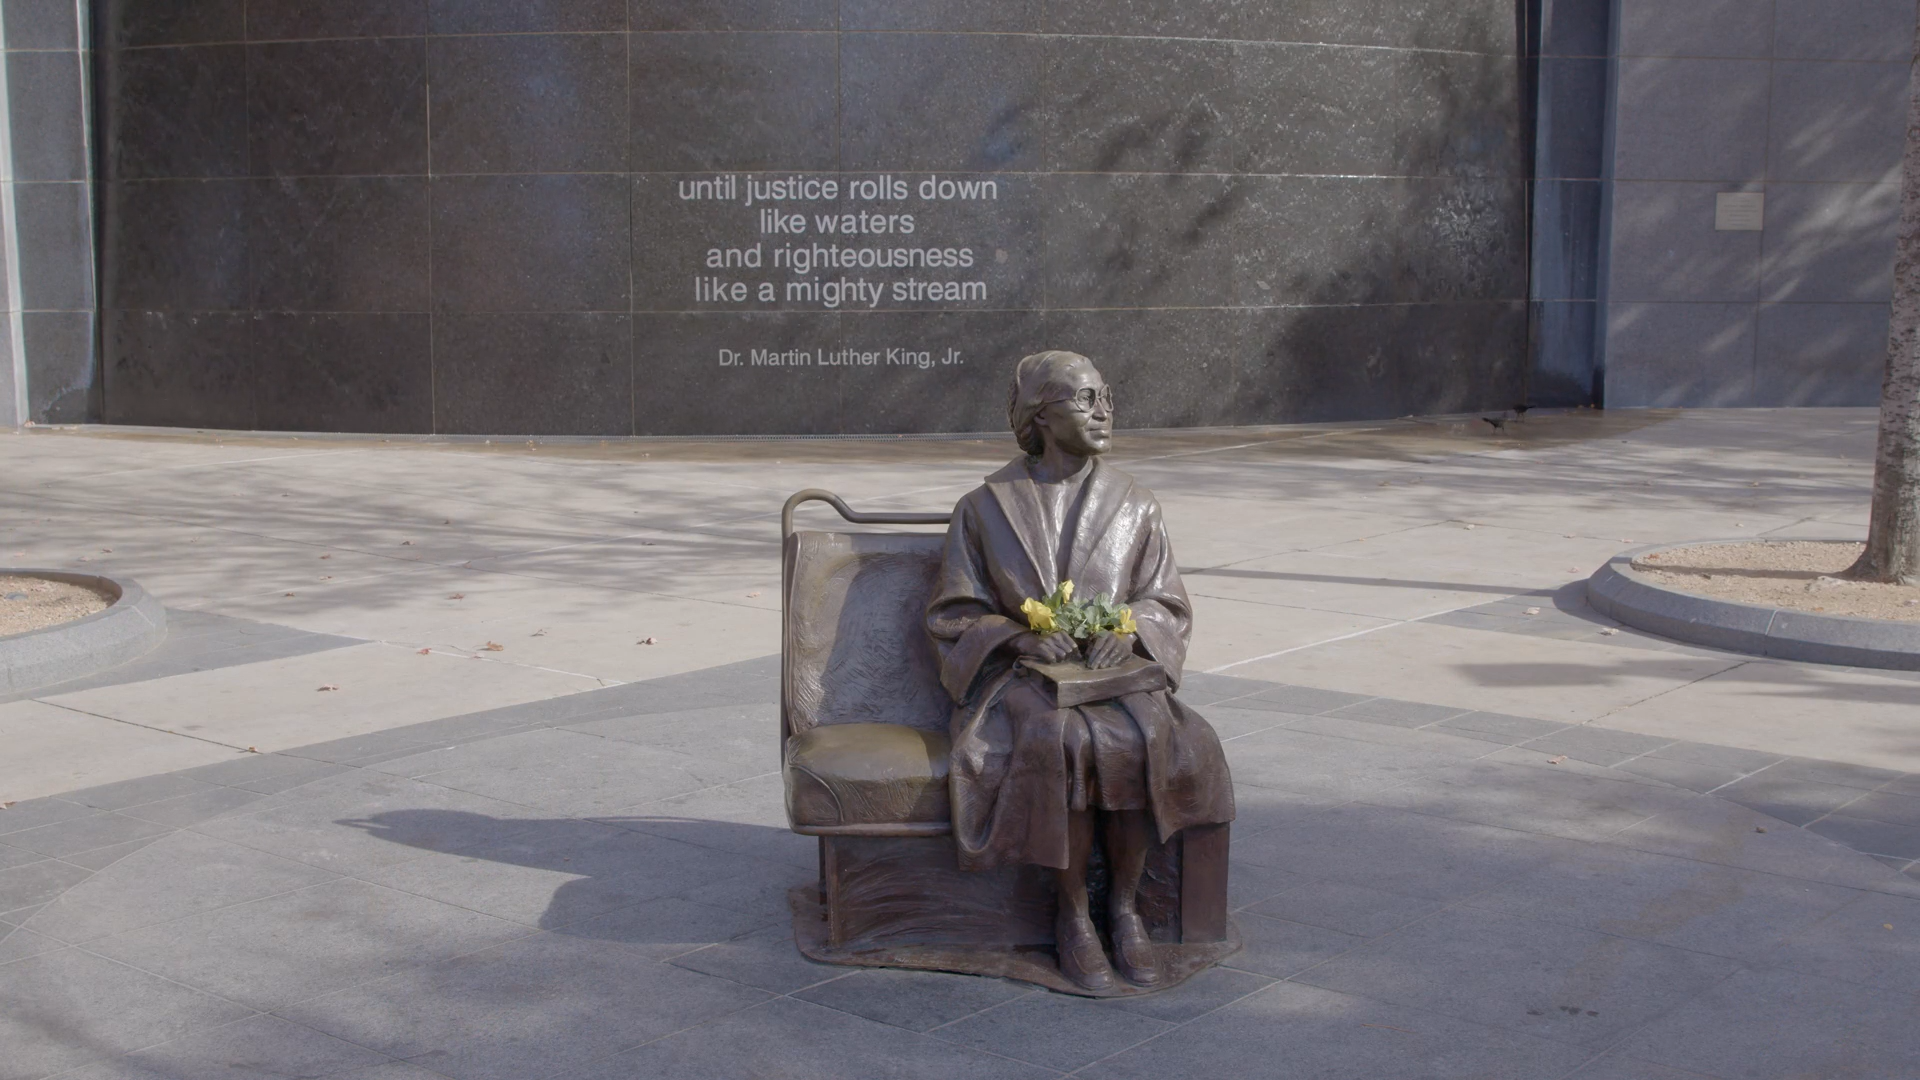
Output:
(1074, 683)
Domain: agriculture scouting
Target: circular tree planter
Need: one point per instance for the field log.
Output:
(1623, 593)
(130, 627)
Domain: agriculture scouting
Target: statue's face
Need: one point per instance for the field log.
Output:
(1084, 424)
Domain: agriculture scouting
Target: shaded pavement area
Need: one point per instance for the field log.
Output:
(593, 887)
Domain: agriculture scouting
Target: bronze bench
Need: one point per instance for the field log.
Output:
(864, 746)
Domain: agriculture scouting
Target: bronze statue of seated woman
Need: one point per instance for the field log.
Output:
(1033, 777)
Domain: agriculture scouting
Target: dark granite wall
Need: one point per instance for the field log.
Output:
(465, 216)
(1572, 46)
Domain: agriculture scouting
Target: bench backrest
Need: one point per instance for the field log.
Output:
(855, 646)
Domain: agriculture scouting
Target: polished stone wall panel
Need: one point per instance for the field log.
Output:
(973, 16)
(48, 115)
(1696, 28)
(1826, 242)
(1879, 30)
(1153, 240)
(525, 16)
(60, 383)
(941, 102)
(176, 245)
(178, 112)
(1671, 355)
(1837, 121)
(1222, 20)
(293, 20)
(1355, 362)
(1819, 354)
(351, 108)
(735, 101)
(1378, 112)
(469, 215)
(548, 374)
(736, 14)
(343, 372)
(338, 244)
(40, 24)
(1130, 104)
(530, 103)
(1470, 26)
(54, 227)
(1575, 28)
(1803, 102)
(1367, 240)
(179, 369)
(1571, 129)
(134, 23)
(1688, 119)
(530, 243)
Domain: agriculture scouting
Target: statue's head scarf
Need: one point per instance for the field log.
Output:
(1038, 381)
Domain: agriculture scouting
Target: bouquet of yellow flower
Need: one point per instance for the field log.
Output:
(1080, 619)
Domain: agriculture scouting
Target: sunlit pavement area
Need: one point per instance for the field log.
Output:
(485, 830)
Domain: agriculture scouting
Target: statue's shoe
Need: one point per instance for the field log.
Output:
(1133, 951)
(1081, 958)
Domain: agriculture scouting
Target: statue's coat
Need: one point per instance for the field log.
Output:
(1013, 809)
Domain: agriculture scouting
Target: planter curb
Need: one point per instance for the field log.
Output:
(1624, 594)
(130, 627)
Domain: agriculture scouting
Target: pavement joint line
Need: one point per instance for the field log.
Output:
(1332, 640)
(133, 723)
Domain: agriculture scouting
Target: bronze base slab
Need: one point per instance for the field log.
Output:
(1028, 963)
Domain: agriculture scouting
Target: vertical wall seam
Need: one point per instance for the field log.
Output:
(10, 248)
(1603, 246)
(90, 250)
(433, 315)
(632, 178)
(1766, 185)
(247, 311)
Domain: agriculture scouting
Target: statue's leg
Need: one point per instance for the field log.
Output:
(1129, 836)
(1081, 957)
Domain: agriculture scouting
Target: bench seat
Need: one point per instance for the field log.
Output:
(867, 780)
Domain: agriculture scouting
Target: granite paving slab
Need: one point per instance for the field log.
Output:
(596, 888)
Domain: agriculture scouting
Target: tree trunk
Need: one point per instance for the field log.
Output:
(1893, 540)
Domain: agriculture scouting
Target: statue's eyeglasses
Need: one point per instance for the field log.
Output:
(1088, 398)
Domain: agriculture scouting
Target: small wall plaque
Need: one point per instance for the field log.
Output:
(1740, 211)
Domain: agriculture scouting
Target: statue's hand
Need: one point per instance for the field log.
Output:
(1109, 649)
(1051, 649)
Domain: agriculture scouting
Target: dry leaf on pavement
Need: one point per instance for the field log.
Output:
(1556, 760)
(647, 641)
(328, 686)
(493, 646)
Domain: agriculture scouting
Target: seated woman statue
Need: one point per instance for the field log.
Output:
(1029, 781)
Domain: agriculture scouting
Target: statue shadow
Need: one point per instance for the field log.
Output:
(676, 883)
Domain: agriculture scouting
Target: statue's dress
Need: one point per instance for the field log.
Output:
(1012, 539)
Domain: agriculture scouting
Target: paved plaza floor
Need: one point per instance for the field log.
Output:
(1483, 832)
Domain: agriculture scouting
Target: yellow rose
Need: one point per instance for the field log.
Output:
(1039, 616)
(1126, 622)
(1066, 590)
